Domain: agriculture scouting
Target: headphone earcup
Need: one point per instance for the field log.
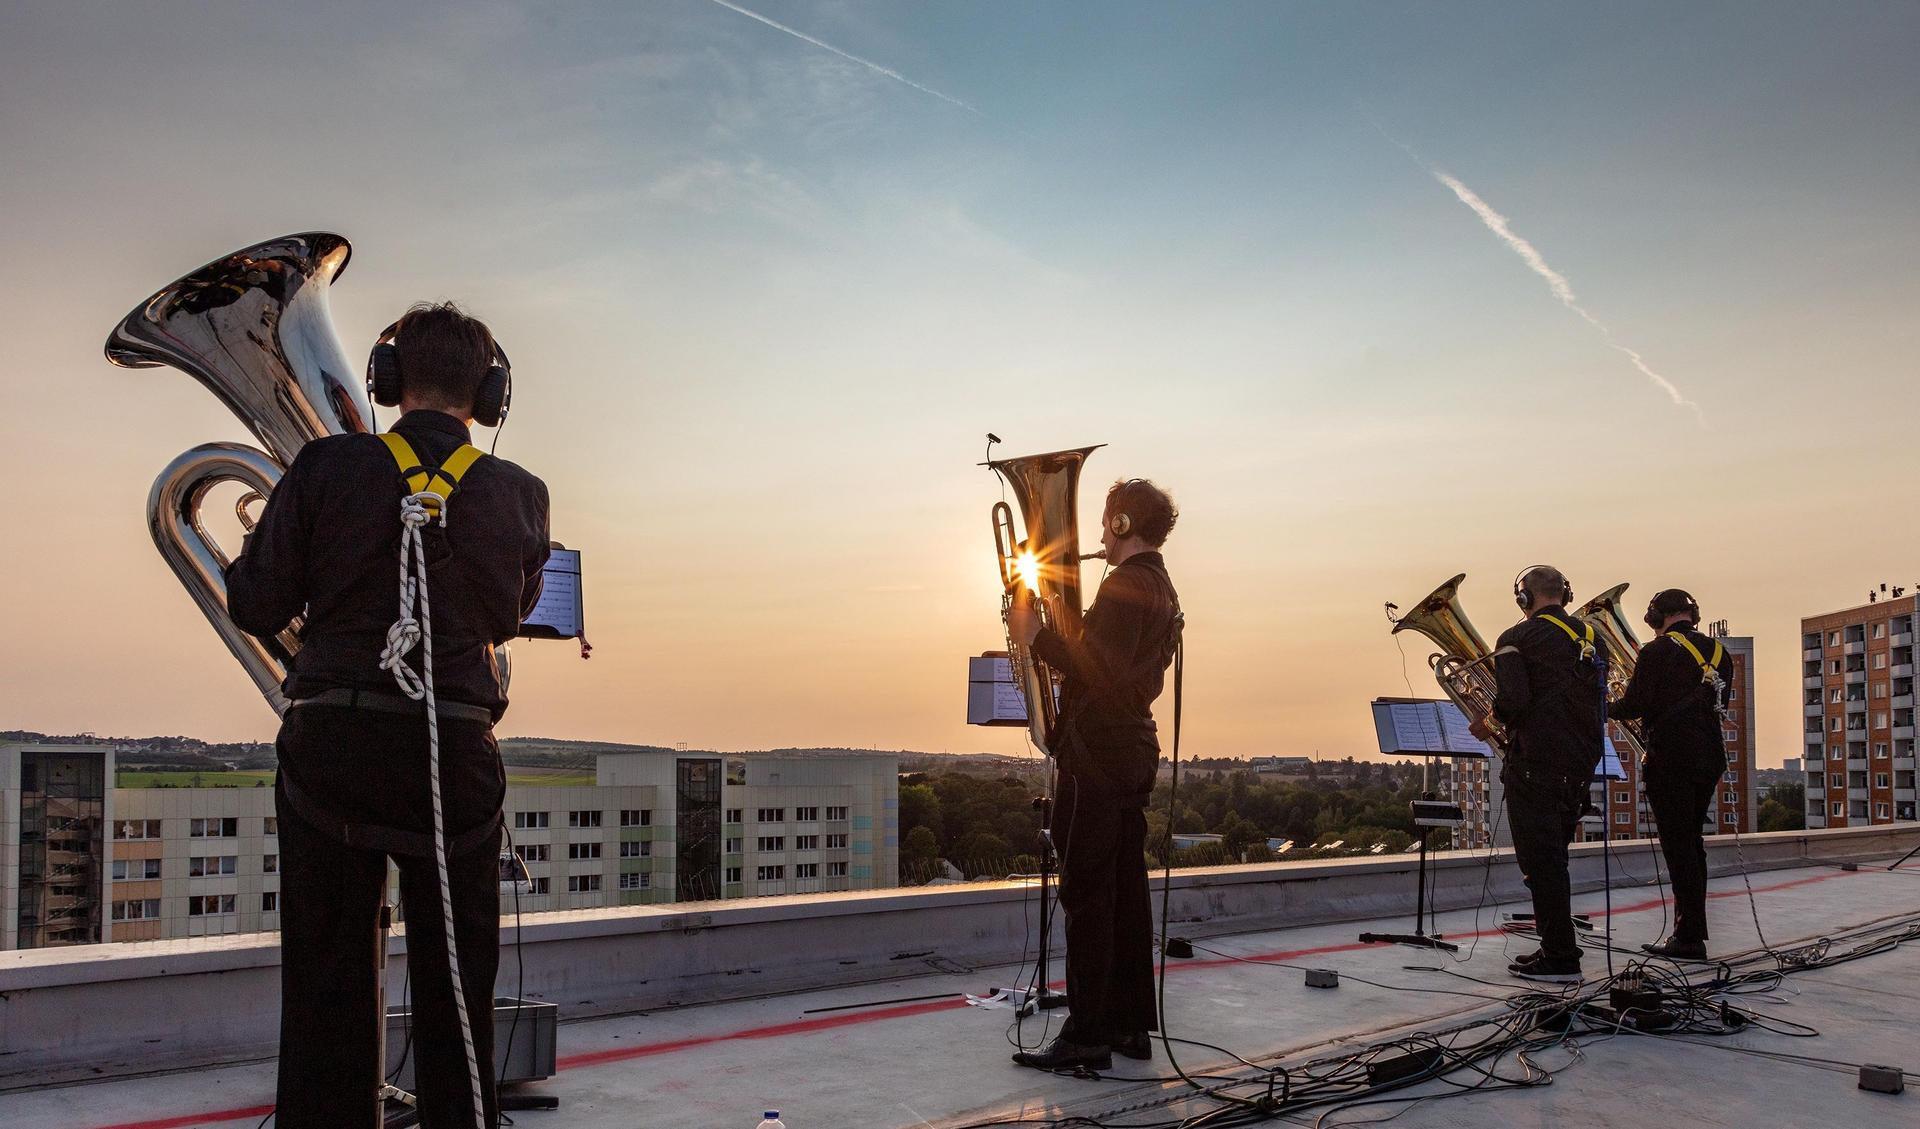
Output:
(383, 375)
(494, 396)
(1121, 524)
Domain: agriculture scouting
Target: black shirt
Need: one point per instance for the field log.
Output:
(328, 545)
(1550, 699)
(1669, 695)
(1111, 675)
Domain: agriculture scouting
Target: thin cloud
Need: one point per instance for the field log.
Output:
(1556, 282)
(867, 63)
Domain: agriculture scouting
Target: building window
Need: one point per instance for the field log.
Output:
(209, 904)
(1881, 780)
(772, 874)
(838, 813)
(583, 819)
(542, 885)
(534, 852)
(1833, 639)
(135, 869)
(636, 881)
(139, 909)
(1880, 750)
(137, 829)
(806, 870)
(583, 850)
(1882, 811)
(636, 817)
(1879, 689)
(1839, 808)
(1728, 817)
(1729, 798)
(771, 843)
(1879, 631)
(837, 842)
(636, 850)
(522, 820)
(270, 902)
(228, 828)
(1623, 797)
(1879, 662)
(1623, 817)
(806, 842)
(210, 866)
(1879, 721)
(836, 870)
(583, 883)
(733, 874)
(733, 846)
(806, 815)
(770, 815)
(270, 826)
(734, 814)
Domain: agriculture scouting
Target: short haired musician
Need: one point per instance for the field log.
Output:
(1680, 685)
(1109, 758)
(353, 786)
(1552, 700)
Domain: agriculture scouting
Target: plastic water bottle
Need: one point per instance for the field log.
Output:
(772, 1121)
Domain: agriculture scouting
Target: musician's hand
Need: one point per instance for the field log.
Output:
(1023, 624)
(1482, 728)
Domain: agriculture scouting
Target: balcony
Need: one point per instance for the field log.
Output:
(1856, 677)
(1903, 701)
(649, 995)
(1903, 670)
(1903, 639)
(1811, 654)
(1855, 648)
(1812, 682)
(1815, 709)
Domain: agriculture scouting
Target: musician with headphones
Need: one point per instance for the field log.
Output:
(1680, 686)
(354, 787)
(1552, 701)
(1109, 758)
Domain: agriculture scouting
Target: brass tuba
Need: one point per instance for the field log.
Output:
(1604, 615)
(254, 327)
(1046, 563)
(1463, 666)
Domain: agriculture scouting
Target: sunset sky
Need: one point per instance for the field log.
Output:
(1381, 292)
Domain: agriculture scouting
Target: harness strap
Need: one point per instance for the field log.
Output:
(438, 482)
(1709, 668)
(1582, 638)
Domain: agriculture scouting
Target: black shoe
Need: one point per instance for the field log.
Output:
(1063, 1055)
(1549, 970)
(1137, 1045)
(1529, 958)
(1675, 949)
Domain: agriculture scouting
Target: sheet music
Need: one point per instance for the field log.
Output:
(1426, 728)
(993, 697)
(559, 614)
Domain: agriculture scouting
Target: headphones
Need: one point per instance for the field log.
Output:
(1677, 601)
(1524, 597)
(491, 399)
(1121, 524)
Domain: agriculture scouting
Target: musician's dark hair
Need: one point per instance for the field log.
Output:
(1151, 509)
(444, 353)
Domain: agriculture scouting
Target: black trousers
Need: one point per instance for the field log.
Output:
(1109, 915)
(1679, 794)
(1543, 809)
(372, 767)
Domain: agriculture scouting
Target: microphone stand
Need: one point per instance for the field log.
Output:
(1043, 997)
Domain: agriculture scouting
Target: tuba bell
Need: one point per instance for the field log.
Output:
(255, 328)
(1463, 666)
(1603, 613)
(1043, 566)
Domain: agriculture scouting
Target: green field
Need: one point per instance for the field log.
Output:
(263, 778)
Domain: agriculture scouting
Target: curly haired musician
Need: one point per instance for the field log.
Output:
(1109, 753)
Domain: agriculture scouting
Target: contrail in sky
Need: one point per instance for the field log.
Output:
(867, 63)
(1556, 282)
(1536, 262)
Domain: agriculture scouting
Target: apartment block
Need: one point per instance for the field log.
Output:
(1857, 707)
(84, 862)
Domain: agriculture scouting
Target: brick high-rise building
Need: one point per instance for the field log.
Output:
(1857, 704)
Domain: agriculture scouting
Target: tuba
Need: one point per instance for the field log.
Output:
(1045, 563)
(1463, 666)
(1603, 614)
(254, 327)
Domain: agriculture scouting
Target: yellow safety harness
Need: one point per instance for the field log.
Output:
(1582, 638)
(1709, 668)
(437, 483)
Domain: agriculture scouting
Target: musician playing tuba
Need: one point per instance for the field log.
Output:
(1679, 687)
(353, 787)
(1552, 700)
(1109, 756)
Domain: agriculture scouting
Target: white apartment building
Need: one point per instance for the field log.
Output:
(83, 862)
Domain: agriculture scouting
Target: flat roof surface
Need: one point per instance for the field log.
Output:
(895, 1059)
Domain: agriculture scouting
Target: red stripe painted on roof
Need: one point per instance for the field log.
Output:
(255, 1112)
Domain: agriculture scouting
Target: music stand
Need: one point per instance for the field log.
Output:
(1424, 728)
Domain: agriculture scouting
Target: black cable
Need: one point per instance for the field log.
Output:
(519, 950)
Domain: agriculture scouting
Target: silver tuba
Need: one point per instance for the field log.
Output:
(1046, 562)
(254, 327)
